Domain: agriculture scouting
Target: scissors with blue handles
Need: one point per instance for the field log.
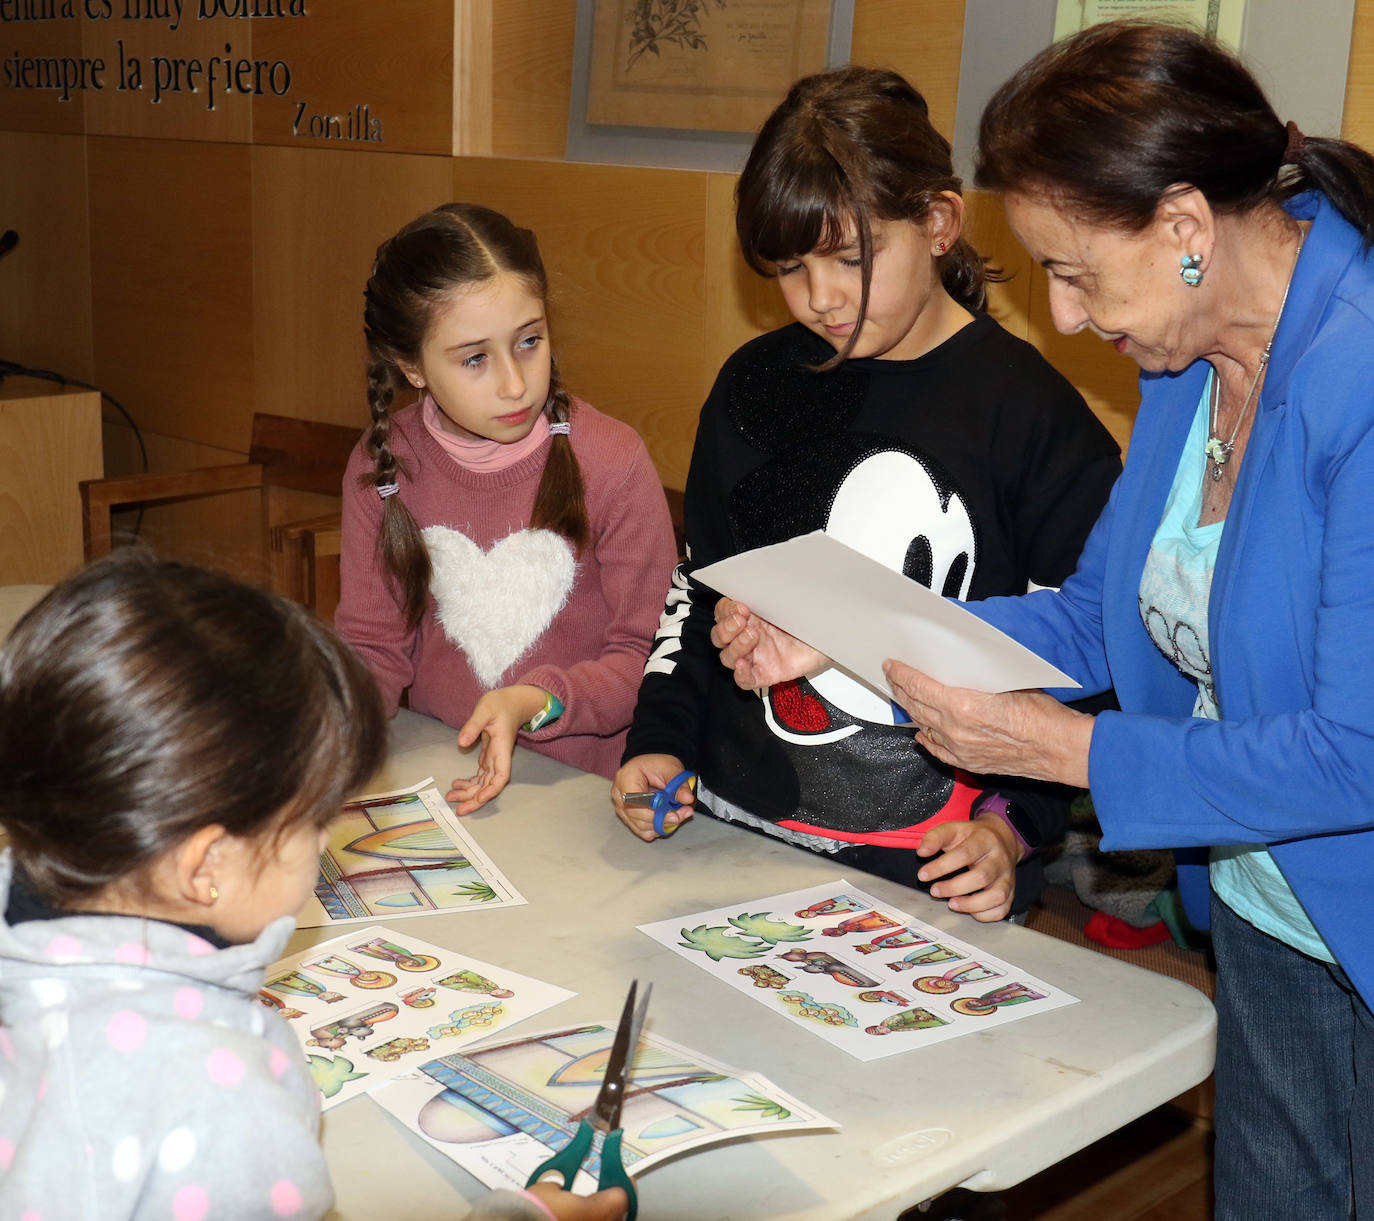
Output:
(605, 1113)
(662, 801)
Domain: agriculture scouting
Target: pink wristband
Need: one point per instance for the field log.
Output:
(995, 803)
(534, 1199)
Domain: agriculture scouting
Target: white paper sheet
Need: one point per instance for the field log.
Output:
(860, 612)
(502, 1109)
(864, 975)
(402, 853)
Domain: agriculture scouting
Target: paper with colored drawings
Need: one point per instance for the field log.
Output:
(376, 1002)
(501, 1109)
(863, 974)
(402, 853)
(860, 612)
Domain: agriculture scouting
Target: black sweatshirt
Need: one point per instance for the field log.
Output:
(976, 469)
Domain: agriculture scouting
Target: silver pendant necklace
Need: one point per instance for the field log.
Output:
(1219, 451)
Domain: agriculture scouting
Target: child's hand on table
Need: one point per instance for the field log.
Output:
(643, 774)
(496, 719)
(986, 848)
(608, 1205)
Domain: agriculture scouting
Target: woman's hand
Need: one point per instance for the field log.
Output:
(496, 719)
(608, 1205)
(987, 850)
(1016, 733)
(642, 774)
(759, 653)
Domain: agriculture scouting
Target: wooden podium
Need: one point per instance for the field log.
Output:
(49, 442)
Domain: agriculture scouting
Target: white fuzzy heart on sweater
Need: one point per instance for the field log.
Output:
(494, 605)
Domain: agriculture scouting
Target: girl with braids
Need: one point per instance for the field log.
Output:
(505, 546)
(899, 417)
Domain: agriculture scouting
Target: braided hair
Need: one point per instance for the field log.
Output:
(413, 275)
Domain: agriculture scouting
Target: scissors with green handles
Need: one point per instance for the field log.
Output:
(605, 1113)
(662, 801)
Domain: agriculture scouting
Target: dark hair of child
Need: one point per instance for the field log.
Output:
(455, 247)
(1110, 119)
(142, 700)
(844, 148)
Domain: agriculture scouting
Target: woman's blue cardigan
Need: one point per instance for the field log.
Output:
(1291, 619)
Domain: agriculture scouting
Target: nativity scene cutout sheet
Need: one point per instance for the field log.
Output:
(402, 854)
(500, 1110)
(864, 975)
(376, 1002)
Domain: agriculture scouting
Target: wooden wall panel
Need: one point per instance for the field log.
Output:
(740, 303)
(171, 284)
(1009, 298)
(624, 248)
(1103, 376)
(1357, 121)
(310, 264)
(531, 77)
(30, 108)
(49, 442)
(174, 68)
(45, 302)
(395, 59)
(471, 107)
(921, 39)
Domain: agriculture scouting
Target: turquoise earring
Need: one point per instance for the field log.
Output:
(1190, 268)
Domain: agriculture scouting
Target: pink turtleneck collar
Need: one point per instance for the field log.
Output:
(481, 455)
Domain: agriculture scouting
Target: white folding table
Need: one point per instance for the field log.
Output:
(983, 1111)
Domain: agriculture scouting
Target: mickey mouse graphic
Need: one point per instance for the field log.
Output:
(836, 738)
(973, 470)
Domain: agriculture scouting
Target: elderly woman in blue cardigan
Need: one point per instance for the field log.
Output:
(1227, 593)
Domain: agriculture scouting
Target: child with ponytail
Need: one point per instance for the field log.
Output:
(897, 416)
(505, 546)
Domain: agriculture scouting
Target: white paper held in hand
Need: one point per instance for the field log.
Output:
(860, 612)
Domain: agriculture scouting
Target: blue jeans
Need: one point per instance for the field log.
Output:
(1295, 1082)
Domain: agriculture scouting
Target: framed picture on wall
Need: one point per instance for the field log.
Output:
(1222, 19)
(707, 65)
(688, 82)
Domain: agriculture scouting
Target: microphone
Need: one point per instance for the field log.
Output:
(8, 241)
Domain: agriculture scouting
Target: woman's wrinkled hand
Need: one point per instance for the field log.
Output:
(1014, 733)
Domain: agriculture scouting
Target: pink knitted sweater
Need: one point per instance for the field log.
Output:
(509, 604)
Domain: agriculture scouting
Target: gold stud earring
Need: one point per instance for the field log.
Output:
(214, 894)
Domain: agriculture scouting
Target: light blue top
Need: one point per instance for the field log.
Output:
(1175, 589)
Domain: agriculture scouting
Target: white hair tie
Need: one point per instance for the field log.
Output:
(562, 429)
(387, 489)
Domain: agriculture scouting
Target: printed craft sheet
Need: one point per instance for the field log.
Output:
(501, 1110)
(376, 1002)
(402, 854)
(864, 975)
